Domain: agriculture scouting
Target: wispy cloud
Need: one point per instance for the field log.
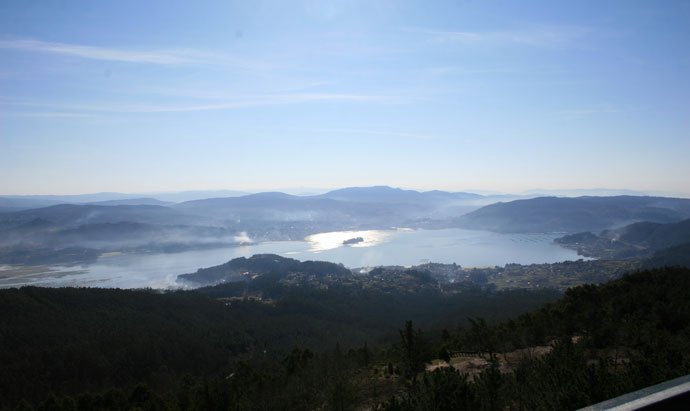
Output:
(97, 53)
(162, 57)
(208, 93)
(241, 102)
(542, 36)
(573, 114)
(444, 70)
(49, 114)
(278, 99)
(375, 132)
(378, 131)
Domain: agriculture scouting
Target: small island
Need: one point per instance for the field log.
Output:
(352, 241)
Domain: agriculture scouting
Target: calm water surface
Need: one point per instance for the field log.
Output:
(380, 247)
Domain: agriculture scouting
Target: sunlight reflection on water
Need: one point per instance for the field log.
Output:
(378, 247)
(328, 241)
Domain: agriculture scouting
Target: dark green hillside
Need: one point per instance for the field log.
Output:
(343, 346)
(70, 340)
(654, 236)
(605, 340)
(240, 268)
(634, 240)
(572, 215)
(662, 236)
(678, 255)
(639, 309)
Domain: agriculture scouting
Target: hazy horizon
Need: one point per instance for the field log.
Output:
(458, 96)
(308, 191)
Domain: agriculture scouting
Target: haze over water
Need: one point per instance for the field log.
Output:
(379, 247)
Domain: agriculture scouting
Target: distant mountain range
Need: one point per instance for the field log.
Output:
(10, 203)
(149, 223)
(132, 201)
(601, 192)
(75, 215)
(385, 194)
(374, 207)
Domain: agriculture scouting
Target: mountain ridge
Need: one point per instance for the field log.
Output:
(571, 215)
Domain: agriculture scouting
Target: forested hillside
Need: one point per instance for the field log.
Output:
(574, 215)
(342, 347)
(636, 240)
(69, 340)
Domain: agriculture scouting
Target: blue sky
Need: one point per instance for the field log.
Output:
(257, 95)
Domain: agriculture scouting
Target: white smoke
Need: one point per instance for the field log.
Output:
(243, 238)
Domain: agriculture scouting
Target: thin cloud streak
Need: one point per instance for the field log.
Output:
(445, 70)
(50, 114)
(380, 132)
(549, 36)
(574, 114)
(255, 101)
(171, 57)
(374, 132)
(96, 53)
(205, 93)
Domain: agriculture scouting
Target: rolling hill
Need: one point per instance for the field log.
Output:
(574, 215)
(631, 241)
(243, 269)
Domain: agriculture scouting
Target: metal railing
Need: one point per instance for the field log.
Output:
(669, 395)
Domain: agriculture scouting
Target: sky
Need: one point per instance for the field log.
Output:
(135, 96)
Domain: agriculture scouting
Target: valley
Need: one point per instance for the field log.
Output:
(391, 297)
(435, 229)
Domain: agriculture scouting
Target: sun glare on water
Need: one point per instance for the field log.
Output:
(328, 241)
